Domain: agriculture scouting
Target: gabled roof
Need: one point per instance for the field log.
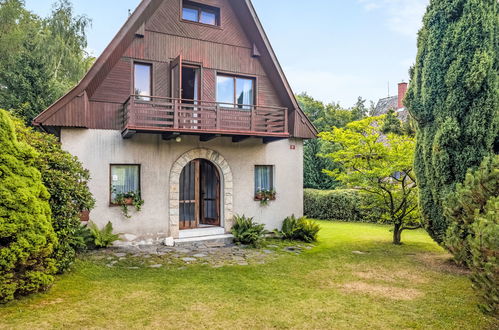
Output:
(244, 9)
(385, 105)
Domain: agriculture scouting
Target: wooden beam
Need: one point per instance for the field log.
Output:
(128, 133)
(207, 137)
(169, 136)
(267, 140)
(240, 138)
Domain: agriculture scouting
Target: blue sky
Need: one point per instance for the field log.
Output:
(335, 50)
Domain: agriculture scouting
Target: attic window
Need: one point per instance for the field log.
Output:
(200, 13)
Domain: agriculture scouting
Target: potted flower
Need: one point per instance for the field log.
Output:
(125, 199)
(265, 195)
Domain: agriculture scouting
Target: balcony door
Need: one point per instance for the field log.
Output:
(185, 81)
(199, 195)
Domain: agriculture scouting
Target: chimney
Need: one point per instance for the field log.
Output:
(402, 92)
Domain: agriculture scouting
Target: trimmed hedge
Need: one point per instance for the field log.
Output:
(340, 204)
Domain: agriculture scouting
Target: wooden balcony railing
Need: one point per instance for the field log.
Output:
(164, 114)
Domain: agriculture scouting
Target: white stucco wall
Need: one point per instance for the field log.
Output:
(97, 149)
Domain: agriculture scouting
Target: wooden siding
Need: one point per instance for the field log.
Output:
(105, 115)
(116, 87)
(75, 112)
(161, 76)
(166, 20)
(156, 34)
(226, 49)
(209, 85)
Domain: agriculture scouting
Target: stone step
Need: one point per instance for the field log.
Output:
(209, 240)
(201, 232)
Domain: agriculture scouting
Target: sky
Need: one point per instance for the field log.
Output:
(334, 50)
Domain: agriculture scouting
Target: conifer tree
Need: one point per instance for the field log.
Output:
(26, 234)
(453, 97)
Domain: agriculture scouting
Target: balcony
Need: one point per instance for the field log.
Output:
(172, 117)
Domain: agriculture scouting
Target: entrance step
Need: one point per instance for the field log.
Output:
(209, 241)
(200, 232)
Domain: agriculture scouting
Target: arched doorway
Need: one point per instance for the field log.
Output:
(199, 195)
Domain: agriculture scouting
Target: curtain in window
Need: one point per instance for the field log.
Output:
(244, 92)
(124, 179)
(263, 178)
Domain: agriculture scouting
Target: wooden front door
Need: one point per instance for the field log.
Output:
(199, 195)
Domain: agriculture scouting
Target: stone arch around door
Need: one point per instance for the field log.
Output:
(227, 186)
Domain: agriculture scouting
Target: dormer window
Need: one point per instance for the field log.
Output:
(200, 13)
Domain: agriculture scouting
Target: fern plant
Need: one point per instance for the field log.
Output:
(103, 238)
(83, 238)
(247, 231)
(300, 229)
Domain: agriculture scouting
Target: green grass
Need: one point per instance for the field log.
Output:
(389, 287)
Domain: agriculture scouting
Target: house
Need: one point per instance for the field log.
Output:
(395, 103)
(188, 107)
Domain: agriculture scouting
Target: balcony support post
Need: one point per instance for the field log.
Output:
(218, 116)
(253, 119)
(175, 113)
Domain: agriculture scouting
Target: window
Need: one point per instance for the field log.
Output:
(142, 81)
(264, 178)
(236, 90)
(196, 12)
(124, 179)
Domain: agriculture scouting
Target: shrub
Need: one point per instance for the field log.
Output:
(467, 202)
(485, 257)
(473, 234)
(247, 232)
(26, 234)
(299, 229)
(102, 238)
(66, 180)
(83, 239)
(340, 204)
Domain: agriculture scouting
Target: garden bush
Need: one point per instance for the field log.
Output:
(473, 234)
(66, 180)
(26, 234)
(300, 229)
(248, 232)
(485, 257)
(341, 204)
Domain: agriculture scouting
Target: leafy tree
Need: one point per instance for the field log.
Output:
(325, 118)
(314, 177)
(359, 110)
(66, 181)
(453, 96)
(40, 58)
(473, 233)
(315, 110)
(26, 235)
(381, 166)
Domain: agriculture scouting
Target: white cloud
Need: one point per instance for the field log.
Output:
(402, 16)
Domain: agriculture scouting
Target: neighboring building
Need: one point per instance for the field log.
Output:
(188, 106)
(395, 103)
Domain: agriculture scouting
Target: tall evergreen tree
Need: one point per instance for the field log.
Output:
(453, 96)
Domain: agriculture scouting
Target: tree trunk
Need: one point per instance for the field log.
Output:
(397, 234)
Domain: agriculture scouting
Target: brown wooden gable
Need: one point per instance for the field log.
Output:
(155, 34)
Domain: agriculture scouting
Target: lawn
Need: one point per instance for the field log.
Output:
(353, 279)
